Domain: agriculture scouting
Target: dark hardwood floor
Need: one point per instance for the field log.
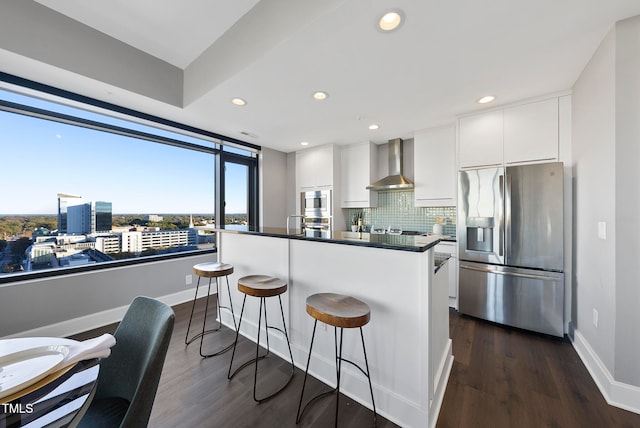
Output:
(501, 377)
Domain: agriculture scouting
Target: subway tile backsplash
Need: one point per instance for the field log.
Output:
(396, 209)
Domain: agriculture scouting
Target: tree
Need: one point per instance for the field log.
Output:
(20, 246)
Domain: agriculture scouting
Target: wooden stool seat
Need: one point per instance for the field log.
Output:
(338, 310)
(261, 285)
(212, 269)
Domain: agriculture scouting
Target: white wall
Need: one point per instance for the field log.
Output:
(606, 154)
(293, 204)
(593, 154)
(627, 195)
(49, 306)
(273, 188)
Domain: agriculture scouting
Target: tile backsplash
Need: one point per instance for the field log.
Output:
(396, 209)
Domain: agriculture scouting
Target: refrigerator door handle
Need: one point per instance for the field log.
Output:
(488, 269)
(501, 241)
(507, 217)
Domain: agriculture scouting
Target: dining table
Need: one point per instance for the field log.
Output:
(47, 381)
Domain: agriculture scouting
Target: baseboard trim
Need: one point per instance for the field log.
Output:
(99, 319)
(616, 393)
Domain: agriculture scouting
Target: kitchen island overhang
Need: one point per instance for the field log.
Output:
(408, 344)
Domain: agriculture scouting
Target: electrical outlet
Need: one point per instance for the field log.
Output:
(188, 279)
(595, 317)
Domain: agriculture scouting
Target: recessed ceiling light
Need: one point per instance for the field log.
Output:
(304, 143)
(390, 20)
(486, 99)
(320, 95)
(239, 101)
(374, 126)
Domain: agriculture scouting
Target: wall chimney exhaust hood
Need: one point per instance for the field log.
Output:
(395, 180)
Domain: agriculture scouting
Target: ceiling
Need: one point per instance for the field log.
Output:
(276, 53)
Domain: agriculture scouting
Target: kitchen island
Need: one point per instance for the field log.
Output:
(407, 339)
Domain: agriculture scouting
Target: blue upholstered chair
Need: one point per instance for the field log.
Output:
(129, 378)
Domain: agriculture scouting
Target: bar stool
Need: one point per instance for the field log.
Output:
(341, 312)
(261, 286)
(211, 270)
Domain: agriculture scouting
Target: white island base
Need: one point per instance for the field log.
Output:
(407, 339)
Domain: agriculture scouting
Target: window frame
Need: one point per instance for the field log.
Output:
(92, 104)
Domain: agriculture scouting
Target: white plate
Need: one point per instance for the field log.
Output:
(23, 368)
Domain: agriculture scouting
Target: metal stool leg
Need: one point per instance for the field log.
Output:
(206, 310)
(366, 363)
(235, 342)
(258, 357)
(306, 372)
(204, 331)
(339, 360)
(286, 335)
(338, 371)
(193, 306)
(299, 413)
(233, 315)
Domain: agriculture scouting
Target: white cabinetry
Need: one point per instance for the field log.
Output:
(451, 249)
(318, 168)
(531, 132)
(315, 168)
(358, 166)
(435, 167)
(481, 139)
(523, 133)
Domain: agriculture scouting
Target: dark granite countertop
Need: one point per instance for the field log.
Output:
(414, 243)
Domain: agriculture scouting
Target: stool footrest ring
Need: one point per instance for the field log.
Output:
(313, 400)
(262, 311)
(204, 332)
(197, 336)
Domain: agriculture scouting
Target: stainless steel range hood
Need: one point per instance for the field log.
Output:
(395, 180)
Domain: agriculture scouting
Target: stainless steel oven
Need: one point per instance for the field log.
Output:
(317, 227)
(316, 204)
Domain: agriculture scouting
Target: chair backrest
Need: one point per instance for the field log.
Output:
(133, 370)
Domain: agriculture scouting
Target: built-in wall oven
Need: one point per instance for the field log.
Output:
(316, 209)
(316, 203)
(317, 227)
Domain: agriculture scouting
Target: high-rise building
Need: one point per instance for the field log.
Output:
(101, 213)
(64, 202)
(89, 218)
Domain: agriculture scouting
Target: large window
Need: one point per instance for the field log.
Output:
(86, 186)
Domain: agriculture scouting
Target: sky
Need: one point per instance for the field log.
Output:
(42, 158)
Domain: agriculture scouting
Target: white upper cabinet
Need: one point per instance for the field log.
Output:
(481, 139)
(523, 133)
(358, 167)
(531, 132)
(435, 167)
(314, 168)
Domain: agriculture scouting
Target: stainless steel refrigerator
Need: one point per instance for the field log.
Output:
(511, 252)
